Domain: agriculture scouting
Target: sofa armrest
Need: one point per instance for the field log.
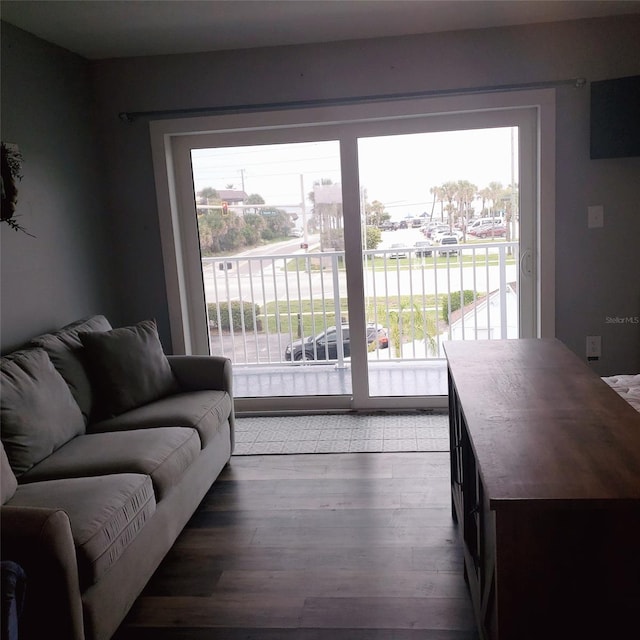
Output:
(199, 373)
(40, 540)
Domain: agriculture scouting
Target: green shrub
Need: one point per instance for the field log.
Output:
(453, 303)
(242, 313)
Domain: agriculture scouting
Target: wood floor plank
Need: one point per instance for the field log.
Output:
(314, 547)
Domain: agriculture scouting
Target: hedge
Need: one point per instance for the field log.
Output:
(239, 311)
(454, 302)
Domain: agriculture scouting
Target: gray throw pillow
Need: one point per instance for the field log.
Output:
(127, 367)
(37, 410)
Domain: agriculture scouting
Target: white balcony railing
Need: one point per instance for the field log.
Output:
(258, 304)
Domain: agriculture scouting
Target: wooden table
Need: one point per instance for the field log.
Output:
(545, 484)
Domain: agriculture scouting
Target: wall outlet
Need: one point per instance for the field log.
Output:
(594, 347)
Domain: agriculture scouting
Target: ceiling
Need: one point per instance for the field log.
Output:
(100, 29)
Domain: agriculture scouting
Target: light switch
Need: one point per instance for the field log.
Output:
(595, 216)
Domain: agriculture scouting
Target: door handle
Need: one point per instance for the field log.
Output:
(526, 263)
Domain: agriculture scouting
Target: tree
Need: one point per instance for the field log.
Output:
(409, 322)
(208, 195)
(277, 224)
(372, 237)
(375, 214)
(212, 226)
(438, 196)
(495, 190)
(465, 195)
(254, 198)
(449, 191)
(254, 226)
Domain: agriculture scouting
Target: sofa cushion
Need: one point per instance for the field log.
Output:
(65, 350)
(206, 411)
(106, 514)
(7, 477)
(162, 453)
(37, 410)
(127, 367)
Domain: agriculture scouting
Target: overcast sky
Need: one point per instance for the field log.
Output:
(398, 171)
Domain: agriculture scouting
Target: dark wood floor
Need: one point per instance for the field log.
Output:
(314, 547)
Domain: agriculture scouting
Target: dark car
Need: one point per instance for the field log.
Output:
(324, 346)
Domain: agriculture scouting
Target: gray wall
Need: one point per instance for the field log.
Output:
(63, 273)
(598, 271)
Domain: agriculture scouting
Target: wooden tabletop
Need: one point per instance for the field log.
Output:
(544, 426)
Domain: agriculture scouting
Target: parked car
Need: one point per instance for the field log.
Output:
(476, 224)
(433, 231)
(296, 233)
(491, 231)
(423, 249)
(324, 346)
(400, 251)
(448, 239)
(437, 237)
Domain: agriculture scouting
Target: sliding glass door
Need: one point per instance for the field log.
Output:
(331, 260)
(440, 226)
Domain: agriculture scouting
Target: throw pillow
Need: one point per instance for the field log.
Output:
(37, 409)
(127, 367)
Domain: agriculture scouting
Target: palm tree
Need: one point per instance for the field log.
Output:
(408, 321)
(495, 191)
(375, 213)
(436, 192)
(449, 192)
(465, 195)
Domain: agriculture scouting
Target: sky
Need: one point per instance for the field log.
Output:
(399, 171)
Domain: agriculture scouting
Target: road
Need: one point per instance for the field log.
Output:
(268, 279)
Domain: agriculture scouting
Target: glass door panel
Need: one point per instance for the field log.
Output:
(270, 226)
(440, 233)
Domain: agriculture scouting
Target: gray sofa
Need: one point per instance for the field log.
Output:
(108, 447)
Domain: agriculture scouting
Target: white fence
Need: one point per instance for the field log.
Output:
(260, 304)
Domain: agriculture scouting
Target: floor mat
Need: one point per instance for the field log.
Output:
(342, 433)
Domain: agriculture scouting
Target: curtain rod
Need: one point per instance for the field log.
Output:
(131, 116)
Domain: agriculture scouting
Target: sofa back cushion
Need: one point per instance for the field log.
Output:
(8, 481)
(37, 411)
(66, 352)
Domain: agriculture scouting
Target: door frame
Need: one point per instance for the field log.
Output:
(171, 141)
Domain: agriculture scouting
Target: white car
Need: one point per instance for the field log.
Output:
(400, 251)
(448, 239)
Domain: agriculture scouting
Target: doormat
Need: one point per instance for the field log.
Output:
(342, 433)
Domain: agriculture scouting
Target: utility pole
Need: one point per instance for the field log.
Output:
(303, 207)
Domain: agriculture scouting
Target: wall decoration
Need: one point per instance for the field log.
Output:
(10, 175)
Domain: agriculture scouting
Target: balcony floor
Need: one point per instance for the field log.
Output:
(396, 380)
